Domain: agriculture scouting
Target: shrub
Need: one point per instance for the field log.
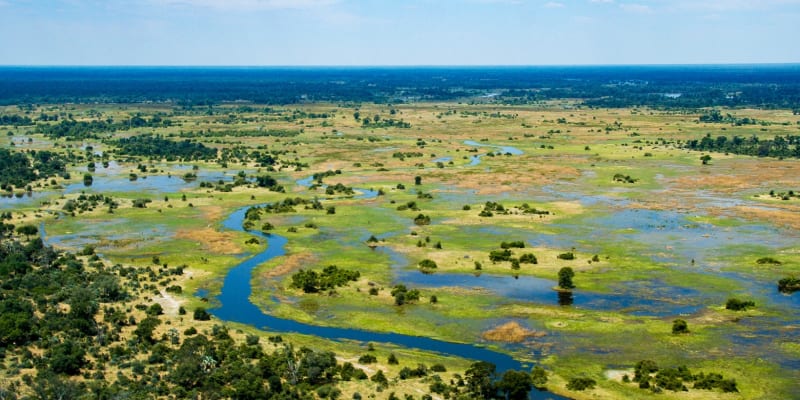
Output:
(566, 256)
(581, 384)
(738, 305)
(200, 314)
(679, 326)
(367, 359)
(427, 264)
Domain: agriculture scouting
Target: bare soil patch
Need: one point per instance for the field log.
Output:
(212, 240)
(511, 332)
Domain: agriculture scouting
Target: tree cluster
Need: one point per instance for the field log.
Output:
(779, 147)
(331, 277)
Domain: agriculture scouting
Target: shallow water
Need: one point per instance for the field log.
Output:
(26, 199)
(153, 184)
(235, 306)
(362, 194)
(503, 149)
(540, 291)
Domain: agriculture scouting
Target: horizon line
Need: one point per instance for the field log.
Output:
(395, 65)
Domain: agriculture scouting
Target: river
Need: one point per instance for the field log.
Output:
(235, 306)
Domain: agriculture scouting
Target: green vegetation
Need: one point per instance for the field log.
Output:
(789, 285)
(676, 244)
(679, 326)
(579, 384)
(738, 305)
(155, 147)
(779, 146)
(649, 376)
(20, 169)
(565, 276)
(331, 277)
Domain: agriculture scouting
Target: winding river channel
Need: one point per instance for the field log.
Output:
(235, 306)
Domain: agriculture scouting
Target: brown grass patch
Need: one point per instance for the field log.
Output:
(212, 240)
(213, 213)
(290, 263)
(787, 218)
(511, 332)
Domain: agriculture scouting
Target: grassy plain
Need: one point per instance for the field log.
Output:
(675, 243)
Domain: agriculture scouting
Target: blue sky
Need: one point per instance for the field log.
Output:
(397, 32)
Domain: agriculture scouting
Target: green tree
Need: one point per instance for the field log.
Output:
(27, 230)
(427, 264)
(145, 328)
(515, 384)
(480, 379)
(565, 276)
(680, 326)
(539, 377)
(67, 357)
(200, 314)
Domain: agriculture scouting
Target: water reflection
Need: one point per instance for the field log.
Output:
(565, 298)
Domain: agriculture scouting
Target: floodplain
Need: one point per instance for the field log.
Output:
(474, 207)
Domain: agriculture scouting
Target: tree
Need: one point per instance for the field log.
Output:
(480, 379)
(539, 377)
(417, 180)
(705, 159)
(144, 330)
(565, 278)
(67, 358)
(380, 378)
(679, 326)
(427, 264)
(515, 384)
(27, 230)
(581, 383)
(200, 314)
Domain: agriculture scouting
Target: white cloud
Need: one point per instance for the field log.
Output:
(249, 4)
(601, 1)
(636, 8)
(734, 5)
(498, 1)
(553, 4)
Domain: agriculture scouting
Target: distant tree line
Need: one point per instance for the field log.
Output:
(15, 120)
(779, 147)
(157, 147)
(78, 130)
(18, 169)
(619, 86)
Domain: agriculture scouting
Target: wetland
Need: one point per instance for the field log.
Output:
(453, 217)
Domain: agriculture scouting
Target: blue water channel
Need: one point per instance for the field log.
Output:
(367, 194)
(235, 306)
(476, 159)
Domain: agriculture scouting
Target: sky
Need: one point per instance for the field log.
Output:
(398, 32)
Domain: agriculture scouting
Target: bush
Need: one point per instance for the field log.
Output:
(427, 264)
(581, 384)
(566, 256)
(200, 314)
(367, 359)
(789, 285)
(538, 377)
(738, 305)
(422, 219)
(679, 326)
(565, 278)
